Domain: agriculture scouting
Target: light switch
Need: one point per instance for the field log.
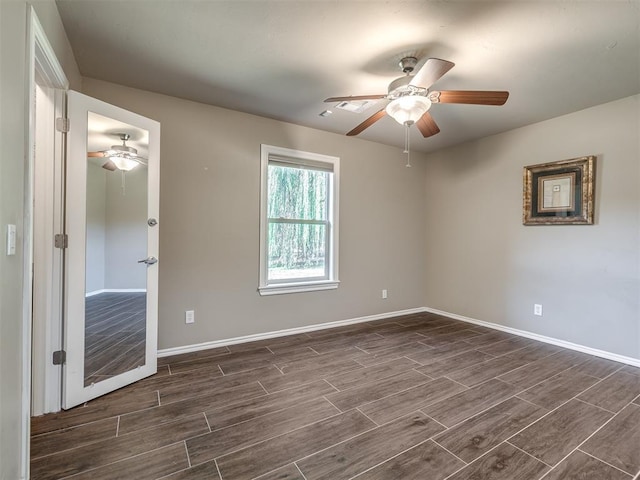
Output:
(11, 239)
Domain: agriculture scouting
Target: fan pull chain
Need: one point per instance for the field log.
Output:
(124, 187)
(407, 145)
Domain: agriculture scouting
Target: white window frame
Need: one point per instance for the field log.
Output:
(297, 157)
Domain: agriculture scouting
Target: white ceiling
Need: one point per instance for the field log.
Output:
(281, 59)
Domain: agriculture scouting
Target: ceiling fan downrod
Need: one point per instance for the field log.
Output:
(407, 64)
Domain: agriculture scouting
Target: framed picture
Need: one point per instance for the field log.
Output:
(559, 193)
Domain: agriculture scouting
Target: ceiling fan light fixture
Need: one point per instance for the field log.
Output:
(407, 110)
(123, 163)
(123, 156)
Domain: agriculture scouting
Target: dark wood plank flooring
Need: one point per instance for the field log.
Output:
(418, 397)
(114, 334)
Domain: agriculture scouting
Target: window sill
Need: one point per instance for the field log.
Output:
(282, 288)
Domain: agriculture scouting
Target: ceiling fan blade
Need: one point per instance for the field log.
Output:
(427, 125)
(109, 165)
(354, 97)
(431, 71)
(368, 122)
(95, 154)
(475, 97)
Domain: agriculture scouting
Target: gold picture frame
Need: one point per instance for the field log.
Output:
(559, 193)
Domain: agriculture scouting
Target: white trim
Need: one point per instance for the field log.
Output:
(542, 338)
(74, 392)
(46, 377)
(42, 67)
(48, 70)
(115, 290)
(332, 282)
(276, 289)
(165, 352)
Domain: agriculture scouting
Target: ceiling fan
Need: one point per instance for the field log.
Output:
(410, 97)
(120, 157)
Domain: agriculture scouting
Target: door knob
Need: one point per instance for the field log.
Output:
(149, 260)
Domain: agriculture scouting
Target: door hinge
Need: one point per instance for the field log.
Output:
(62, 124)
(59, 357)
(60, 240)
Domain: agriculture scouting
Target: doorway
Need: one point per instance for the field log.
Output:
(91, 301)
(40, 379)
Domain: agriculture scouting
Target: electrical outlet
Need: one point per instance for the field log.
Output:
(537, 309)
(384, 293)
(189, 316)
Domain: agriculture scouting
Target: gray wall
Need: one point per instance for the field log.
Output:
(116, 229)
(483, 263)
(209, 222)
(126, 230)
(96, 227)
(13, 141)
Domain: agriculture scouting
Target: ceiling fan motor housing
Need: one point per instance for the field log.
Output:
(124, 149)
(402, 87)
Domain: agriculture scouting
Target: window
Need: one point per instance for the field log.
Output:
(298, 221)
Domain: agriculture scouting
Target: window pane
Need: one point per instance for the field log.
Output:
(296, 251)
(297, 193)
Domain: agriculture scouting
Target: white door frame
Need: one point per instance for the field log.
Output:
(43, 68)
(48, 263)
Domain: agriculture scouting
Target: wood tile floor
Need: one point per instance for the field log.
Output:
(419, 397)
(114, 336)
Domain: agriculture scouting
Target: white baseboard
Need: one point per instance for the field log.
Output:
(165, 352)
(115, 290)
(534, 336)
(370, 318)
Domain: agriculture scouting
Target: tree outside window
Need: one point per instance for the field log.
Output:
(298, 226)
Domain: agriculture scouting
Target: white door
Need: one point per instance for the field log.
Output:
(111, 281)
